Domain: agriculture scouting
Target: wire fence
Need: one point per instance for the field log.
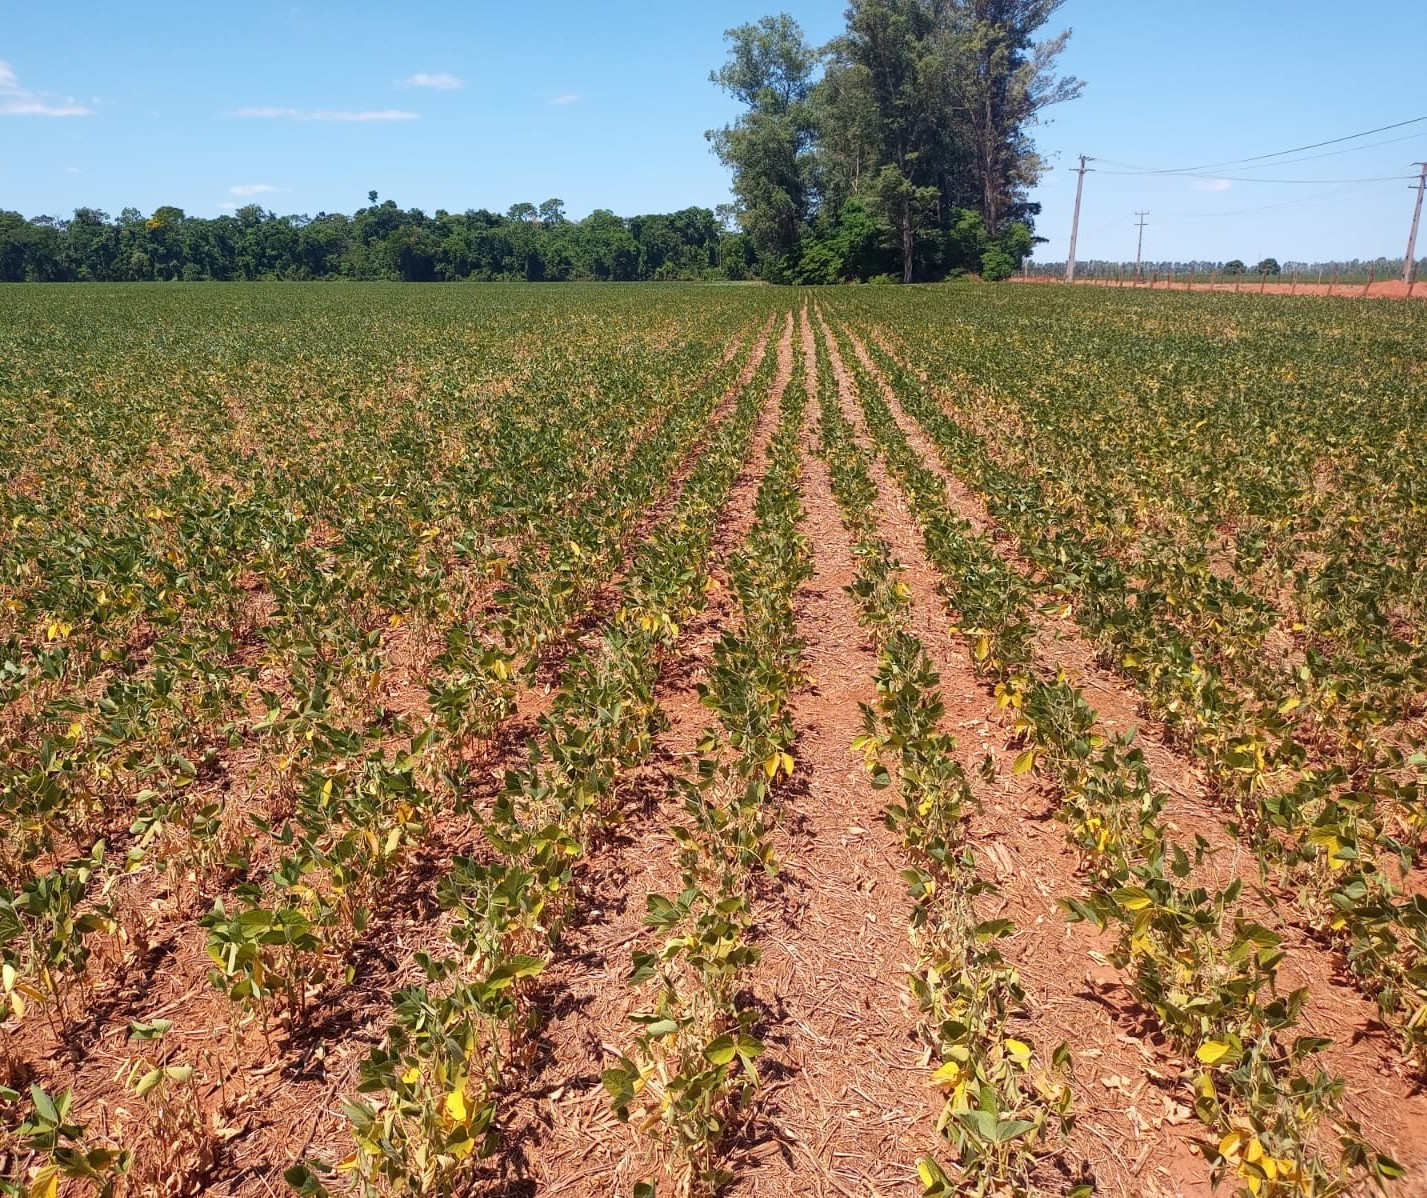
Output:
(1382, 277)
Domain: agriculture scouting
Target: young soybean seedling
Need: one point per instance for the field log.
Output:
(178, 1142)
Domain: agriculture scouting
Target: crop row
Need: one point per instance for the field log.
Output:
(355, 806)
(1195, 957)
(1006, 1101)
(278, 939)
(1325, 812)
(430, 1093)
(692, 1067)
(290, 598)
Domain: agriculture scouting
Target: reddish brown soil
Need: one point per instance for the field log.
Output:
(1127, 1138)
(562, 1134)
(848, 1111)
(1384, 289)
(1364, 1050)
(269, 1097)
(846, 1108)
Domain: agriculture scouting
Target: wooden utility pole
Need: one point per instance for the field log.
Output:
(1075, 222)
(1409, 268)
(1140, 248)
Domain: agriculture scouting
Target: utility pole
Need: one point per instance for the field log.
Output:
(1075, 224)
(1140, 249)
(1409, 268)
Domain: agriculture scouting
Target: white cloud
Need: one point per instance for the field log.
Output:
(73, 170)
(1212, 185)
(20, 101)
(325, 114)
(567, 98)
(440, 80)
(250, 189)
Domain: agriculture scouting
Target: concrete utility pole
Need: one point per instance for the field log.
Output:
(1409, 268)
(1075, 224)
(1140, 249)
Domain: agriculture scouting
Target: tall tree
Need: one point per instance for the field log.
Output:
(890, 67)
(1001, 79)
(949, 90)
(769, 148)
(849, 133)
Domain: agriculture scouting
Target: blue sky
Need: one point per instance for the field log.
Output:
(305, 106)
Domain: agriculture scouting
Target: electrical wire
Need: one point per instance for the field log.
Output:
(1372, 145)
(1317, 145)
(1252, 179)
(1308, 201)
(1110, 224)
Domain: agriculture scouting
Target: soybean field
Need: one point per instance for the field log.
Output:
(689, 740)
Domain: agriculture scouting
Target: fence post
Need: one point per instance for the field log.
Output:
(1334, 283)
(1372, 272)
(1189, 286)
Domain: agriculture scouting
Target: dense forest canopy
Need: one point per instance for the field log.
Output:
(909, 153)
(382, 241)
(899, 150)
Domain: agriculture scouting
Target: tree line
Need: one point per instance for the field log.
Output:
(903, 147)
(381, 241)
(901, 150)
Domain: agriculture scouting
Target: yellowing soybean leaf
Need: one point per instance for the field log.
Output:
(45, 1183)
(949, 1074)
(455, 1106)
(1213, 1051)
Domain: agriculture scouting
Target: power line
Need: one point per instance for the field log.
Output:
(1114, 222)
(1252, 179)
(1337, 187)
(1307, 201)
(1333, 141)
(1372, 145)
